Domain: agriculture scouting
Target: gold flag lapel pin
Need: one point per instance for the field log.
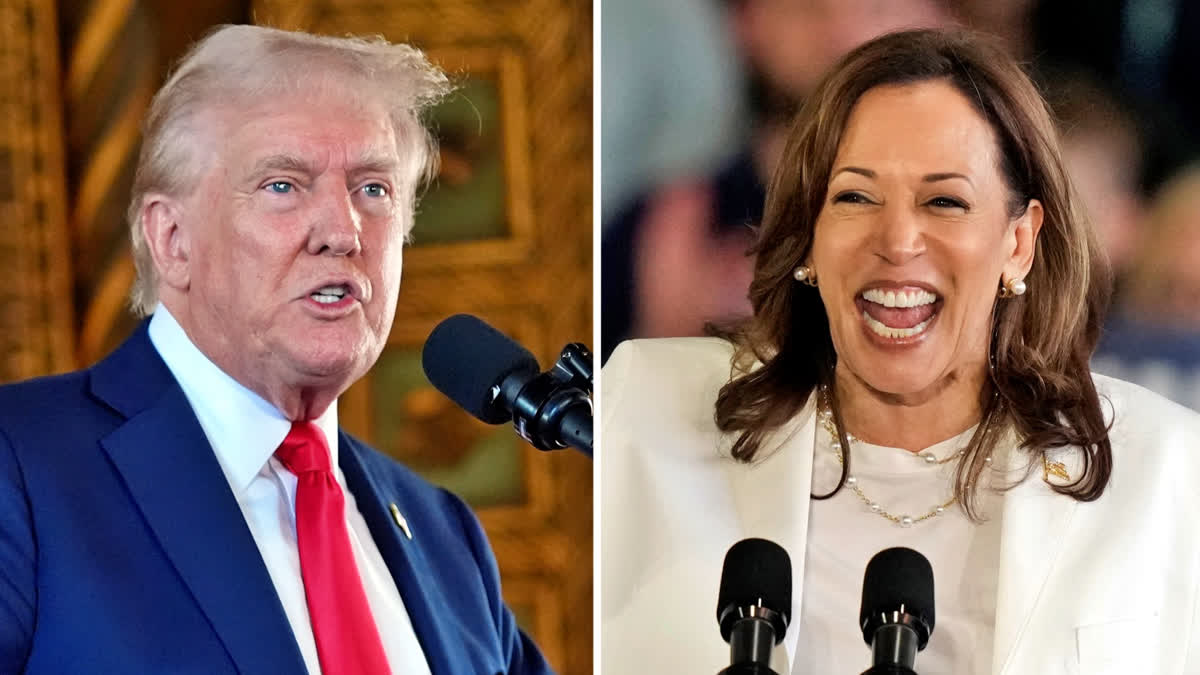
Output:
(400, 521)
(1056, 469)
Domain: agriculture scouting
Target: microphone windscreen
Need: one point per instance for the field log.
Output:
(756, 572)
(465, 357)
(896, 577)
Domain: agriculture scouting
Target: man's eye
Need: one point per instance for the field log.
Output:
(280, 187)
(375, 190)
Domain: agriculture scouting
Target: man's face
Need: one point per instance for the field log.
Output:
(294, 237)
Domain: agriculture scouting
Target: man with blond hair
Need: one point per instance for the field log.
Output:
(189, 504)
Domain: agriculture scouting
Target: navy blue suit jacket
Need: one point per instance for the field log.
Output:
(109, 566)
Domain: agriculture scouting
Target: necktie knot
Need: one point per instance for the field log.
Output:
(304, 449)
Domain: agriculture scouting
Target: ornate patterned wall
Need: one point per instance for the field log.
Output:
(36, 334)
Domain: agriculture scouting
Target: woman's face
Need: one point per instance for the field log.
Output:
(913, 240)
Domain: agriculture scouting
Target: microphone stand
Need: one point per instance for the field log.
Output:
(748, 669)
(751, 637)
(893, 646)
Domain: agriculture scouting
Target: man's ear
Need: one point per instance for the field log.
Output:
(168, 240)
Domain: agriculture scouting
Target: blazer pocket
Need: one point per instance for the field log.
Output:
(1120, 646)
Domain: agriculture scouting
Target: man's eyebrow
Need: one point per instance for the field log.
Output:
(374, 163)
(281, 163)
(383, 163)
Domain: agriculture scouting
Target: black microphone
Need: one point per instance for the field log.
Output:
(897, 610)
(498, 381)
(754, 604)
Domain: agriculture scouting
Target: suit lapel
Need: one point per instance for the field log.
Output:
(404, 559)
(772, 498)
(1035, 525)
(172, 474)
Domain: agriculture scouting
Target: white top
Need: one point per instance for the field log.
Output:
(843, 534)
(244, 432)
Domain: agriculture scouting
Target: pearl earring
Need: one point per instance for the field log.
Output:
(1012, 288)
(805, 275)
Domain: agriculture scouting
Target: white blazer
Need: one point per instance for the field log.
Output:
(1109, 586)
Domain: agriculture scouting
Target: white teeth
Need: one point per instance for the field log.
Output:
(879, 328)
(899, 298)
(329, 294)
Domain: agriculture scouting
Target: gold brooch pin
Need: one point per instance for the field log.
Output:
(399, 518)
(1056, 469)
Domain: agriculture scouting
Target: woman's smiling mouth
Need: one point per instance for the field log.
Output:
(898, 314)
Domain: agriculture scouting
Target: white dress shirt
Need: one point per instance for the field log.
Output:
(244, 431)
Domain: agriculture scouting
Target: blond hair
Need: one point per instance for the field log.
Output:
(239, 64)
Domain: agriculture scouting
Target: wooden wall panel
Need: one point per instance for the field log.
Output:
(116, 53)
(36, 335)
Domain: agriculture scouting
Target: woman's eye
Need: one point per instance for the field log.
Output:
(375, 190)
(851, 198)
(280, 187)
(947, 203)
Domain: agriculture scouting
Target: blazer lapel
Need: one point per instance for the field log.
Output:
(403, 557)
(772, 498)
(171, 472)
(1035, 525)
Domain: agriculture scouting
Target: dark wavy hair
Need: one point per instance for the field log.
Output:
(1040, 385)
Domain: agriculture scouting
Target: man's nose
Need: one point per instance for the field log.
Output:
(337, 224)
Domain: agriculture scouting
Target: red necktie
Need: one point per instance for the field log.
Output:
(347, 639)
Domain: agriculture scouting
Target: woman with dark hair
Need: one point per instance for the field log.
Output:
(926, 297)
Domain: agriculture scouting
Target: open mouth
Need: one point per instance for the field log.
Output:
(898, 314)
(328, 295)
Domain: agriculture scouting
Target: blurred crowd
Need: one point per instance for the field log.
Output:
(697, 94)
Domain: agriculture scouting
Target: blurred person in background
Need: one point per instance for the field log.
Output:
(1102, 149)
(1146, 51)
(675, 259)
(671, 113)
(670, 103)
(1122, 75)
(1154, 336)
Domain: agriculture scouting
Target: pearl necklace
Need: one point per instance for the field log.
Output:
(903, 520)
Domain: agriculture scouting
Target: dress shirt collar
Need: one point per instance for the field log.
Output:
(242, 427)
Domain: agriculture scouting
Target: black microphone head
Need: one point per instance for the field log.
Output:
(757, 572)
(897, 578)
(465, 357)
